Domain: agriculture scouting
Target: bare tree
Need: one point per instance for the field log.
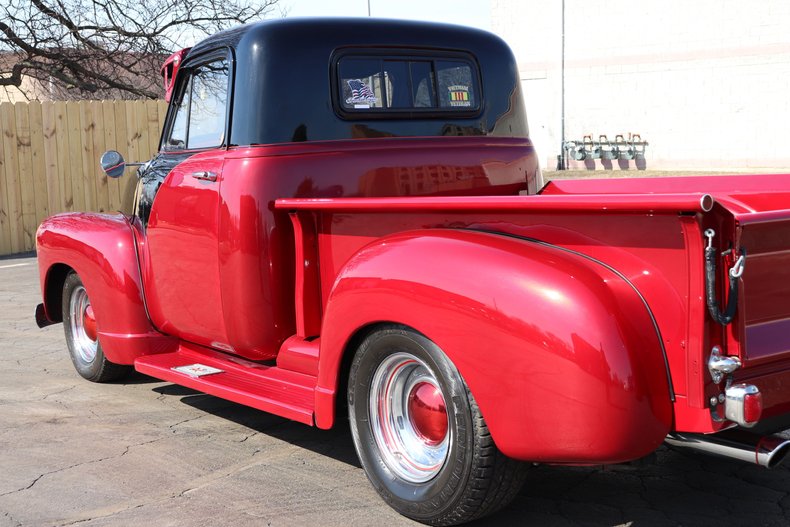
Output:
(77, 49)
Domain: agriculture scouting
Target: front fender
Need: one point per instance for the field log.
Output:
(560, 353)
(100, 248)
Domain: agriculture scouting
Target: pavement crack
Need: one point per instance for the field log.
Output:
(83, 463)
(58, 392)
(129, 447)
(249, 436)
(114, 513)
(183, 493)
(165, 496)
(192, 486)
(174, 425)
(35, 480)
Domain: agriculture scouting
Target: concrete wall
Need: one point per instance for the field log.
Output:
(26, 92)
(705, 82)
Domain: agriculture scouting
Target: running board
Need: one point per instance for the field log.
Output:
(265, 387)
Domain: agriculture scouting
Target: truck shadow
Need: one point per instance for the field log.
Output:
(335, 443)
(135, 377)
(678, 488)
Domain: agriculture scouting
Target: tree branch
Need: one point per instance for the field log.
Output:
(106, 48)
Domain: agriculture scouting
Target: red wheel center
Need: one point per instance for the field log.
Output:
(428, 412)
(89, 323)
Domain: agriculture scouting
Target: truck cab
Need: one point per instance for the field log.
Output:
(278, 110)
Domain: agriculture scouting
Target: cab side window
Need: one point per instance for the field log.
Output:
(178, 134)
(201, 108)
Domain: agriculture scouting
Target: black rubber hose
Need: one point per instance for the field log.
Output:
(710, 290)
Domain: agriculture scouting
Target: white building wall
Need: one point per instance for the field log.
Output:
(705, 82)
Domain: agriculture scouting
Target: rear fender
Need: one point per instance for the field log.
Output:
(560, 352)
(100, 248)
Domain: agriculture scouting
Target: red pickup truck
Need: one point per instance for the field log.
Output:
(346, 217)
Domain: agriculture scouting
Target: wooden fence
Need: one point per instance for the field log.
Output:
(49, 160)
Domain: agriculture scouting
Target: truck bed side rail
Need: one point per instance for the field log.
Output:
(653, 203)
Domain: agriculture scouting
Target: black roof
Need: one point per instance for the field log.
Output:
(283, 79)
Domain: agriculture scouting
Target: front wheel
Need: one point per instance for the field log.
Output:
(82, 337)
(419, 433)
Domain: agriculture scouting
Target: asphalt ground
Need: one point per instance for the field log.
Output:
(145, 452)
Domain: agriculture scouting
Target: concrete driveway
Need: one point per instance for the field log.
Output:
(151, 453)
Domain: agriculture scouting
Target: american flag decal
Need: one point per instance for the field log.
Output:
(360, 92)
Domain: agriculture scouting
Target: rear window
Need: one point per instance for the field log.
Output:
(386, 85)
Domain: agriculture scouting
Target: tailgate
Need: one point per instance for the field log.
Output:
(765, 306)
(760, 333)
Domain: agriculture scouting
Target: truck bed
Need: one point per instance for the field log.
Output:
(649, 230)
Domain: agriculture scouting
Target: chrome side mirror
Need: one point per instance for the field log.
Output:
(112, 163)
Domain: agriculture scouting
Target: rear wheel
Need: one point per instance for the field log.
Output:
(419, 433)
(82, 338)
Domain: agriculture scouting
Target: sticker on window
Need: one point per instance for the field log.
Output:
(378, 86)
(459, 96)
(361, 95)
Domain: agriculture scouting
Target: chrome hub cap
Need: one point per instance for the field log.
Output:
(409, 418)
(83, 325)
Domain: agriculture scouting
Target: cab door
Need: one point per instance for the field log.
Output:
(181, 274)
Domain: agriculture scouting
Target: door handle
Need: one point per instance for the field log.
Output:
(205, 175)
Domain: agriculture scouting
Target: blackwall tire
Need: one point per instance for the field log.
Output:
(433, 471)
(82, 340)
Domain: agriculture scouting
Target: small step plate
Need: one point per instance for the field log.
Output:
(197, 370)
(262, 386)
